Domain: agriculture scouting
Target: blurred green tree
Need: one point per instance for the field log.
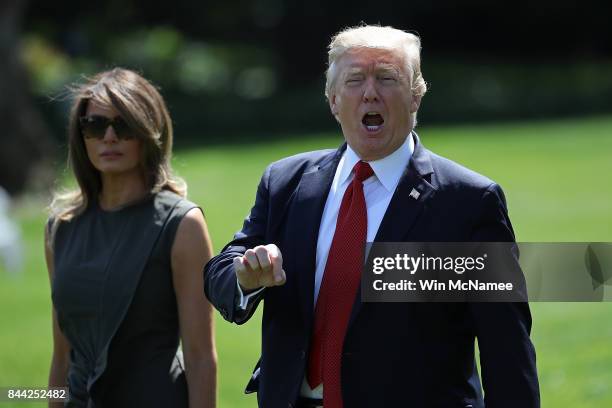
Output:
(25, 144)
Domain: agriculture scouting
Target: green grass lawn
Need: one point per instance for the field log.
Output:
(558, 181)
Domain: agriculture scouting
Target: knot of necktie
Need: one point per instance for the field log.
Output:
(363, 171)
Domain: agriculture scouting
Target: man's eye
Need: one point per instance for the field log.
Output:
(354, 78)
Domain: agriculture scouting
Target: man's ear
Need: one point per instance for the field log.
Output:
(416, 102)
(333, 106)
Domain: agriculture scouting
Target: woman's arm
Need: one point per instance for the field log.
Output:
(190, 252)
(60, 359)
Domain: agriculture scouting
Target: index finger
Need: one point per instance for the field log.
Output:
(239, 266)
(276, 259)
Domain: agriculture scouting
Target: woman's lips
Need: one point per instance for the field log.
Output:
(111, 155)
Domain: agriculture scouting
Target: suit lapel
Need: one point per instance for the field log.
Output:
(309, 204)
(409, 198)
(404, 209)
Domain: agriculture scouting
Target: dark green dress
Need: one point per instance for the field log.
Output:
(115, 303)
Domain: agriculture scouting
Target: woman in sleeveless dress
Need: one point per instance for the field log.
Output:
(125, 253)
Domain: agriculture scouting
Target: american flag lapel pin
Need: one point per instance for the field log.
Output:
(415, 194)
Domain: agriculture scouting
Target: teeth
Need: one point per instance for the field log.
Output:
(373, 128)
(372, 113)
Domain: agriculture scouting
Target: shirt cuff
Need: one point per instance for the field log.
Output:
(243, 300)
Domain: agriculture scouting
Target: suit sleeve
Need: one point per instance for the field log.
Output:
(220, 284)
(507, 355)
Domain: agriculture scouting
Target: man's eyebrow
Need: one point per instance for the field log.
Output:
(387, 68)
(354, 70)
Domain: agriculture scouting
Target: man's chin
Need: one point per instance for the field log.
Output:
(370, 149)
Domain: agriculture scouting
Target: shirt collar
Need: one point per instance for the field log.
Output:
(388, 170)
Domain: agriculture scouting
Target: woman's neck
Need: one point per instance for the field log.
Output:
(120, 190)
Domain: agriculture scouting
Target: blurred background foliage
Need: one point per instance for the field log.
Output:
(254, 69)
(229, 68)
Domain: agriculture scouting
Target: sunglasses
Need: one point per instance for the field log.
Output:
(94, 127)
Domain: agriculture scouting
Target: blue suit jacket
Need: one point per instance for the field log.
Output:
(395, 354)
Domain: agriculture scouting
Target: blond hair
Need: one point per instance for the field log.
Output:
(140, 104)
(377, 37)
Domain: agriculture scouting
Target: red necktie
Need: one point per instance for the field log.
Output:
(338, 290)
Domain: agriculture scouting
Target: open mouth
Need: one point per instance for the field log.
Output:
(373, 121)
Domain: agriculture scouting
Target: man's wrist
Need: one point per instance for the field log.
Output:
(246, 291)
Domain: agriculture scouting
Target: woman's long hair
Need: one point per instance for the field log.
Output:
(142, 107)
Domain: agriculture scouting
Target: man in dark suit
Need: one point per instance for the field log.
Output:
(301, 252)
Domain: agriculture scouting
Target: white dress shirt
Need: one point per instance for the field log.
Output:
(378, 191)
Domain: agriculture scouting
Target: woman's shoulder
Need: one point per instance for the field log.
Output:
(178, 203)
(57, 221)
(171, 198)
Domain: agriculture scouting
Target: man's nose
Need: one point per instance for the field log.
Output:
(370, 93)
